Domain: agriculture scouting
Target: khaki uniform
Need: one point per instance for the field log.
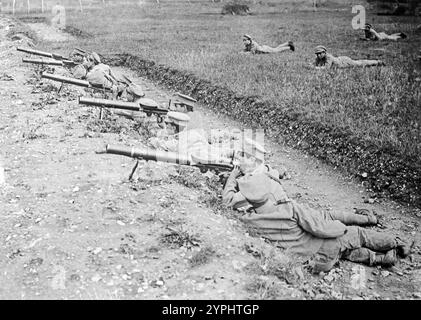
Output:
(298, 228)
(344, 62)
(379, 36)
(256, 48)
(100, 75)
(79, 72)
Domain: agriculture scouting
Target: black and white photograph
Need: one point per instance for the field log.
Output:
(211, 151)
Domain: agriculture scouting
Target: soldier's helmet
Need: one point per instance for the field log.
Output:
(367, 26)
(246, 36)
(135, 91)
(179, 119)
(320, 49)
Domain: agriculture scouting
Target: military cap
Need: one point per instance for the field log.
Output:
(95, 57)
(253, 148)
(178, 118)
(185, 100)
(148, 102)
(247, 36)
(135, 90)
(320, 49)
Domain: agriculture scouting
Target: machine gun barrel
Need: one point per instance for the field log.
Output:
(42, 61)
(76, 82)
(132, 106)
(149, 155)
(170, 157)
(43, 53)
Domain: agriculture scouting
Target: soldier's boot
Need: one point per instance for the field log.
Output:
(372, 219)
(385, 260)
(291, 45)
(403, 249)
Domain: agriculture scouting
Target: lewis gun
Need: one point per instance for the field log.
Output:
(76, 82)
(220, 166)
(145, 105)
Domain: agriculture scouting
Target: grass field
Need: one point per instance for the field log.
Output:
(379, 104)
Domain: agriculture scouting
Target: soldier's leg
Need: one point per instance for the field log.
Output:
(267, 49)
(369, 257)
(366, 218)
(357, 238)
(283, 45)
(326, 257)
(367, 63)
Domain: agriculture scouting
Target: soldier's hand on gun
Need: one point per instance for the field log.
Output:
(236, 172)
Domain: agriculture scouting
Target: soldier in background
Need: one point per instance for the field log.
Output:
(326, 60)
(371, 34)
(255, 48)
(256, 190)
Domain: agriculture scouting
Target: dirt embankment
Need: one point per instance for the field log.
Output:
(384, 171)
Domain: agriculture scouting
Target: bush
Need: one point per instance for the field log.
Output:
(236, 9)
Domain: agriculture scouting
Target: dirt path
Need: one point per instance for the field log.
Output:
(73, 227)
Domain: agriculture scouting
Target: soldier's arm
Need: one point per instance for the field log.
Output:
(318, 65)
(231, 196)
(113, 75)
(281, 173)
(375, 34)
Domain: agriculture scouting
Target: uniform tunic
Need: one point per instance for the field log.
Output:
(297, 228)
(79, 72)
(100, 75)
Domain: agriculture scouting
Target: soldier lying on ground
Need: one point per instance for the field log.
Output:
(253, 47)
(326, 60)
(322, 237)
(371, 34)
(101, 74)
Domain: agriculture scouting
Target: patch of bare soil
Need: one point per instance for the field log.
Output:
(74, 227)
(47, 32)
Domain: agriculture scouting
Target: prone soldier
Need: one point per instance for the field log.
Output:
(101, 74)
(255, 48)
(371, 34)
(256, 190)
(326, 60)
